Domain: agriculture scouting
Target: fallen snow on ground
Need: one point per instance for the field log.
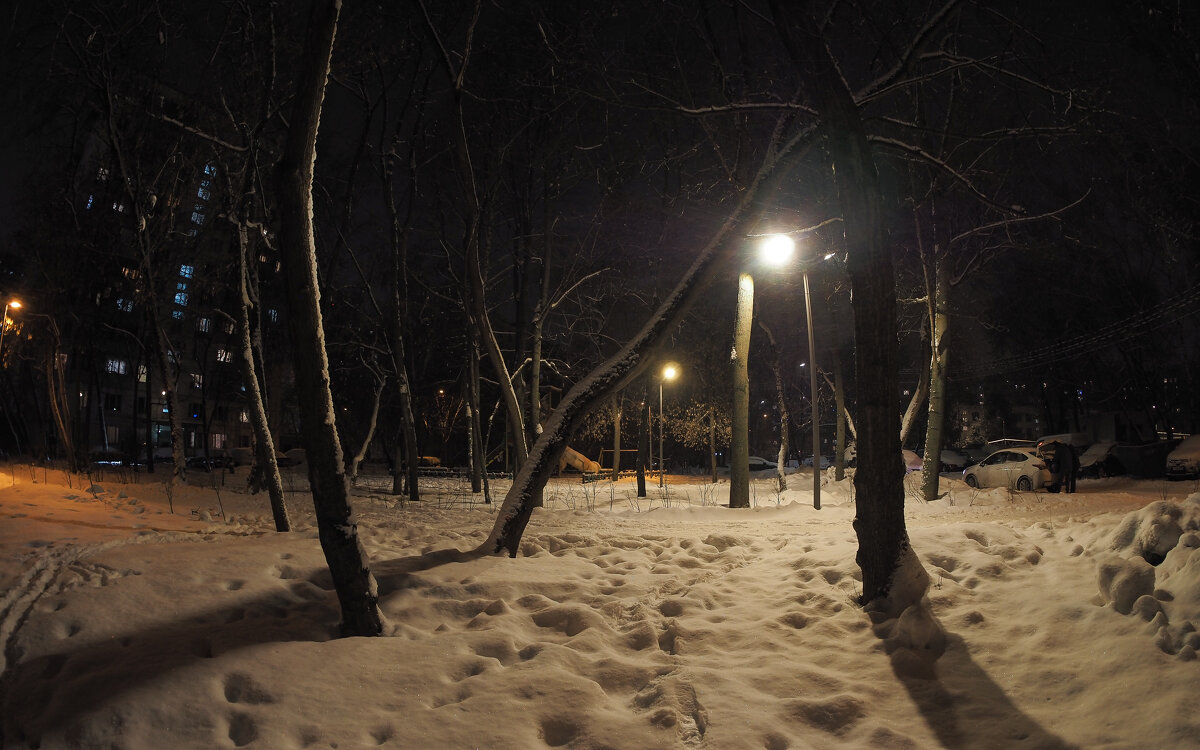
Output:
(141, 619)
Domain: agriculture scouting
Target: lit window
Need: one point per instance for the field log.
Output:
(244, 416)
(218, 441)
(177, 314)
(129, 273)
(119, 207)
(262, 258)
(273, 314)
(203, 193)
(181, 286)
(181, 299)
(90, 201)
(141, 373)
(228, 328)
(197, 380)
(124, 304)
(186, 271)
(115, 366)
(210, 170)
(203, 325)
(102, 174)
(224, 355)
(197, 218)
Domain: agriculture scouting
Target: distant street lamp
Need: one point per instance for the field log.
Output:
(14, 304)
(670, 371)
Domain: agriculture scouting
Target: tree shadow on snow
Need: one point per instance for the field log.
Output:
(959, 701)
(56, 691)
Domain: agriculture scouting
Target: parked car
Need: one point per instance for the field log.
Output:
(1100, 460)
(1184, 461)
(953, 460)
(1018, 468)
(826, 462)
(761, 464)
(209, 463)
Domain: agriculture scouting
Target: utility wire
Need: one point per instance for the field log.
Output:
(1177, 308)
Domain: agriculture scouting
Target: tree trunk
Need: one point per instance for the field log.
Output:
(337, 529)
(739, 449)
(643, 444)
(784, 417)
(397, 333)
(840, 400)
(372, 422)
(616, 470)
(914, 405)
(712, 443)
(939, 321)
(479, 477)
(265, 468)
(56, 393)
(883, 544)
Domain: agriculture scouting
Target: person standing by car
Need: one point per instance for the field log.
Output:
(1070, 467)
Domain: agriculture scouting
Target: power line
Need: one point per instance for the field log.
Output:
(1138, 324)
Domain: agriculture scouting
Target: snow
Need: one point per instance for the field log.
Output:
(664, 622)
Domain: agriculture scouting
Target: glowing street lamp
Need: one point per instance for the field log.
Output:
(777, 249)
(15, 305)
(670, 371)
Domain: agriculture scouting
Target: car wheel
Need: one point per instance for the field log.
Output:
(972, 481)
(1024, 484)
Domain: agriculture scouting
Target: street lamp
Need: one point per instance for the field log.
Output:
(14, 304)
(670, 371)
(777, 249)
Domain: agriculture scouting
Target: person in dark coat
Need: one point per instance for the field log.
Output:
(1068, 464)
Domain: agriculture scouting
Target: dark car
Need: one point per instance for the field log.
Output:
(209, 463)
(1100, 460)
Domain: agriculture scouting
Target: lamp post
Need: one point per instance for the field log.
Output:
(812, 379)
(14, 304)
(777, 249)
(670, 371)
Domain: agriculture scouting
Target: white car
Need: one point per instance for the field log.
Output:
(1016, 468)
(761, 464)
(1184, 461)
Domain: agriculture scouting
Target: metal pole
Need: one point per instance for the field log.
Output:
(812, 375)
(661, 464)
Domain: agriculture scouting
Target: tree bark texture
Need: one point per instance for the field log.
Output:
(878, 481)
(939, 322)
(739, 449)
(338, 531)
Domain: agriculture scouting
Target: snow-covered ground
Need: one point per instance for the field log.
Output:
(669, 622)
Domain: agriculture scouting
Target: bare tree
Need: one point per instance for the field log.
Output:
(356, 588)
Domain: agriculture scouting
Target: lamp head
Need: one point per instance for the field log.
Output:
(776, 249)
(670, 371)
